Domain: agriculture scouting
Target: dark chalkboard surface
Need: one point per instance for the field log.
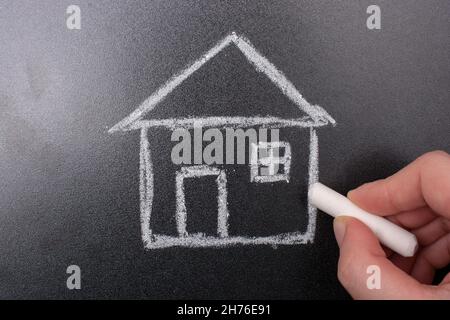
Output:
(70, 187)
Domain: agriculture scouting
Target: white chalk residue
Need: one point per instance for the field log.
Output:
(315, 117)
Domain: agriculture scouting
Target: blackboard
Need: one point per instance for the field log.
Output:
(70, 189)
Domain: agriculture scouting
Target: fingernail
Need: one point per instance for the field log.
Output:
(339, 226)
(349, 194)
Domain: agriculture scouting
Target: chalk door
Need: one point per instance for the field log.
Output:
(186, 180)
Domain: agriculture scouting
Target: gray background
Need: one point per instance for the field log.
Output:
(69, 191)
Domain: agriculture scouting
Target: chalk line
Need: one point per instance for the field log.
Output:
(222, 218)
(229, 122)
(222, 205)
(176, 80)
(145, 187)
(180, 215)
(200, 240)
(279, 79)
(263, 65)
(313, 177)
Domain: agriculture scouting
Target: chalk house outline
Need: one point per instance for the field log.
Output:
(316, 117)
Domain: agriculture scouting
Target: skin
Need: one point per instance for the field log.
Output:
(418, 199)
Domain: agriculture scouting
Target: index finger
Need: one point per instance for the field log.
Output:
(424, 182)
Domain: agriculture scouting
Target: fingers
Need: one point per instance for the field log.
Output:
(425, 181)
(414, 218)
(413, 198)
(404, 263)
(435, 256)
(432, 231)
(359, 250)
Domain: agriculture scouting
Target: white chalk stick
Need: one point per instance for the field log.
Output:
(389, 234)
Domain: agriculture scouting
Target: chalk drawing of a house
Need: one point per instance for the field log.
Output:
(314, 117)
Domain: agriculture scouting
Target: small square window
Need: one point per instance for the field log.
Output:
(270, 162)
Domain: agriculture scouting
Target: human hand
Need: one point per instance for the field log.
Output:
(417, 198)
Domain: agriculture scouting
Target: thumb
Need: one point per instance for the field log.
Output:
(364, 270)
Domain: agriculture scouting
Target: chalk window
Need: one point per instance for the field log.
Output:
(270, 161)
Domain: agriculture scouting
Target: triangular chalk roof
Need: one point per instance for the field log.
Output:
(316, 114)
